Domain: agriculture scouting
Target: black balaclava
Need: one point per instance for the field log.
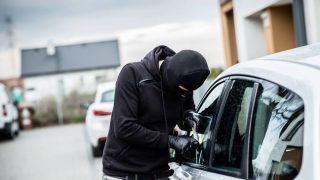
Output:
(187, 68)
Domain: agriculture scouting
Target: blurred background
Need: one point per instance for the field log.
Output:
(59, 61)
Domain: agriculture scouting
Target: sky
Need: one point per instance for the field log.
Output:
(140, 25)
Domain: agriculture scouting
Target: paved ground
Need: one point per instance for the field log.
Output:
(55, 153)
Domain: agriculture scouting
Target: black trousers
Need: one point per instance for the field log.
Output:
(159, 176)
(135, 177)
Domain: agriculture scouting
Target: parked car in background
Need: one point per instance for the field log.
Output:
(9, 125)
(98, 117)
(264, 121)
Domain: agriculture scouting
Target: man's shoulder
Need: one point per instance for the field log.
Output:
(138, 69)
(138, 65)
(133, 70)
(133, 66)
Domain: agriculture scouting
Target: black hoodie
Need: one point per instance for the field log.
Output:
(138, 137)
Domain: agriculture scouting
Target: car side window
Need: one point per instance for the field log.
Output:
(208, 111)
(232, 127)
(277, 139)
(107, 96)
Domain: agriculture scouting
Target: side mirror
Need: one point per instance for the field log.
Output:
(85, 105)
(201, 122)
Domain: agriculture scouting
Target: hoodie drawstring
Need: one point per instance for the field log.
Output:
(163, 107)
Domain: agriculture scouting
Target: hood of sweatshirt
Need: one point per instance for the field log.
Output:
(186, 68)
(151, 60)
(184, 72)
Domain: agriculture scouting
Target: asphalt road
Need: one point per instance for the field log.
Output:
(54, 153)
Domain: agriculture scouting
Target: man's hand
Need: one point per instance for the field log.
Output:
(185, 145)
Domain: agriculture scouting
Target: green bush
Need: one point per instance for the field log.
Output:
(214, 72)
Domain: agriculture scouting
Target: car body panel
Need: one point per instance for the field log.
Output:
(184, 172)
(98, 126)
(299, 71)
(306, 85)
(6, 104)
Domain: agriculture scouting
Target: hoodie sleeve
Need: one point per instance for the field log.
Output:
(125, 112)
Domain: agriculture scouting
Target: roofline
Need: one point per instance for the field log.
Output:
(68, 44)
(68, 71)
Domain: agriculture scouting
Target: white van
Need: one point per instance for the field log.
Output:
(9, 126)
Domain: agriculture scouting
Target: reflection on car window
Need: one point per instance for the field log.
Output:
(208, 111)
(232, 130)
(107, 96)
(278, 133)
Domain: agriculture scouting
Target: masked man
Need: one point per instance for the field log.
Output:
(150, 98)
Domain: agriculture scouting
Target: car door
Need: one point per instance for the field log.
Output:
(256, 133)
(276, 146)
(224, 143)
(190, 169)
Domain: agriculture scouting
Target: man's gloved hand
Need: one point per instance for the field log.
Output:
(185, 145)
(192, 119)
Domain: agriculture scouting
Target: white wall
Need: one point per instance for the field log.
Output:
(312, 18)
(83, 82)
(249, 28)
(10, 64)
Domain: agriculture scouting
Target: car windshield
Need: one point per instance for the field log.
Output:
(107, 96)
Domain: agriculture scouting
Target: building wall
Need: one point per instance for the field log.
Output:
(312, 18)
(10, 64)
(63, 84)
(251, 41)
(249, 28)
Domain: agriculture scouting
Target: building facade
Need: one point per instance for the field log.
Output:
(60, 70)
(254, 28)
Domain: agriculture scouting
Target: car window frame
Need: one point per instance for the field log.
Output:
(210, 89)
(246, 165)
(229, 80)
(226, 82)
(244, 170)
(252, 123)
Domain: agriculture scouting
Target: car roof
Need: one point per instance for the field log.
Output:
(297, 69)
(306, 55)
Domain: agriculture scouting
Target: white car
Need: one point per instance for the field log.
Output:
(9, 126)
(98, 117)
(264, 121)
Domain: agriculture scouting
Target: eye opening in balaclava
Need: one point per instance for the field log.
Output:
(187, 68)
(183, 91)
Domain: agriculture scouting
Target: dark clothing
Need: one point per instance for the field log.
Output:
(138, 139)
(160, 176)
(187, 68)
